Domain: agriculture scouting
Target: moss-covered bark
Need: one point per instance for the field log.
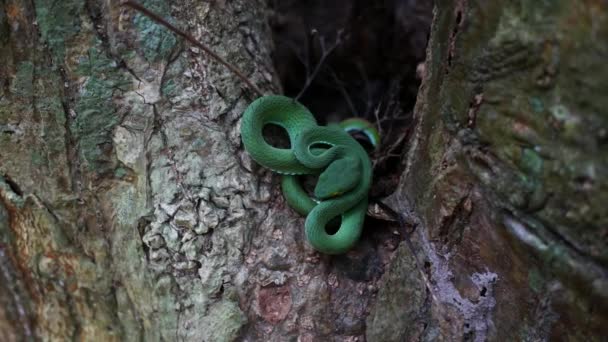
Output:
(122, 195)
(507, 175)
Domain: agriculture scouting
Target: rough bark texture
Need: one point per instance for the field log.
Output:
(123, 199)
(506, 178)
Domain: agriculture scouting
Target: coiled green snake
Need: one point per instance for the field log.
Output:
(342, 164)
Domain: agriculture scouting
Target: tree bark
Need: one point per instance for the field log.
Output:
(506, 179)
(125, 206)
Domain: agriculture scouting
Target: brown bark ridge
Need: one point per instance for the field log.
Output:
(507, 179)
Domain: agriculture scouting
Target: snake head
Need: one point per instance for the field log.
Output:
(354, 125)
(340, 176)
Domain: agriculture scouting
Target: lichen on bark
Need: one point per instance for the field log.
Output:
(506, 171)
(123, 186)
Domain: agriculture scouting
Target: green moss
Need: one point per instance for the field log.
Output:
(157, 41)
(59, 20)
(37, 159)
(535, 280)
(120, 172)
(169, 88)
(96, 114)
(223, 322)
(531, 162)
(23, 85)
(536, 104)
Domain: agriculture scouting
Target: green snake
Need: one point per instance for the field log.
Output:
(341, 163)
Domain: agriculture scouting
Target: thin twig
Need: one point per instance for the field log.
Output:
(378, 122)
(325, 52)
(193, 41)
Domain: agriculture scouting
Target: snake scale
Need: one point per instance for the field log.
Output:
(342, 165)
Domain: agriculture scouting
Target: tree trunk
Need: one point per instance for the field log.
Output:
(125, 206)
(506, 178)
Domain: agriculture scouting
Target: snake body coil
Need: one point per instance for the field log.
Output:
(342, 164)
